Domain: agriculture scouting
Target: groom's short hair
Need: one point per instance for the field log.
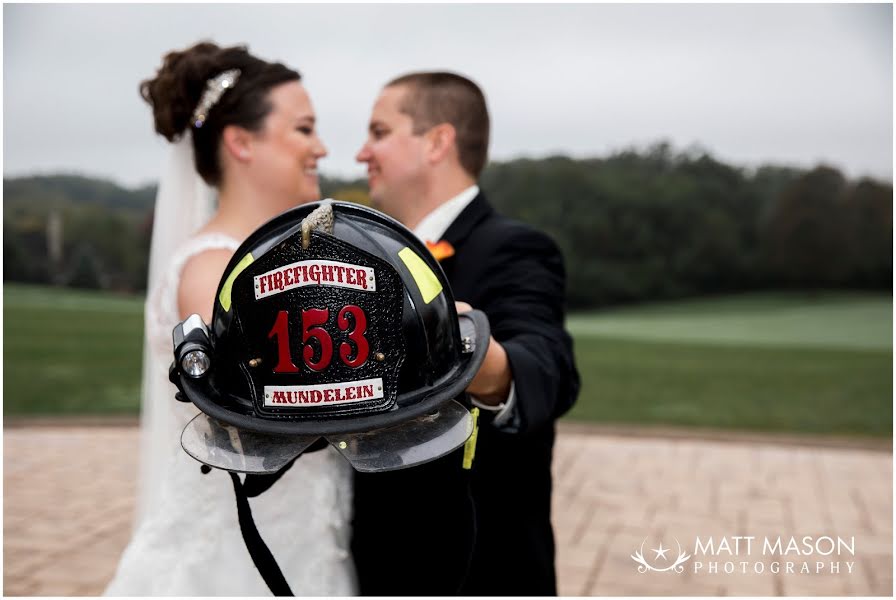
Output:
(436, 97)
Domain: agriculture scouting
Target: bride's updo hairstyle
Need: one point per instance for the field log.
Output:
(175, 92)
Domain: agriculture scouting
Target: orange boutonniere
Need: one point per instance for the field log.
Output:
(440, 250)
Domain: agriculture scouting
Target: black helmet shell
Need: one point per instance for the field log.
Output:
(354, 332)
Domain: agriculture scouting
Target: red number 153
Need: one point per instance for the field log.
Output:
(353, 352)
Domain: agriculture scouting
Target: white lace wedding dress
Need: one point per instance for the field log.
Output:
(187, 539)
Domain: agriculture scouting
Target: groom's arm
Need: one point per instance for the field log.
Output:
(522, 290)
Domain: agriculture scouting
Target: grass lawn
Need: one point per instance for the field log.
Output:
(70, 352)
(771, 362)
(830, 321)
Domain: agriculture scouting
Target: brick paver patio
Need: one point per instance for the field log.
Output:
(69, 491)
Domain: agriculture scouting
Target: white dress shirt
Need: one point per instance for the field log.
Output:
(434, 225)
(431, 229)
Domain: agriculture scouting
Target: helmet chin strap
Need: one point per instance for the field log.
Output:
(392, 448)
(258, 550)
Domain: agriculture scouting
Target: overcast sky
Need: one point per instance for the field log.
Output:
(789, 84)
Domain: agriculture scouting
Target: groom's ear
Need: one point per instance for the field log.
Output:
(441, 141)
(237, 143)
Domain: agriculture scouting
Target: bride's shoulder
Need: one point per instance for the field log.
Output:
(204, 259)
(199, 280)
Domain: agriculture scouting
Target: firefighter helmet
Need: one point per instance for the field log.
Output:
(332, 320)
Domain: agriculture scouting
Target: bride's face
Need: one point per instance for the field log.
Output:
(286, 151)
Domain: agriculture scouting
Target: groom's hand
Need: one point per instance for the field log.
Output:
(491, 385)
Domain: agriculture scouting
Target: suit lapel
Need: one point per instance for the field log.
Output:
(457, 233)
(468, 219)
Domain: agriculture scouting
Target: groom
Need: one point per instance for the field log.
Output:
(440, 529)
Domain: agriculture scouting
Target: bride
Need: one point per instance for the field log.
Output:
(247, 128)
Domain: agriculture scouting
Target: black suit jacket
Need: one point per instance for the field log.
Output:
(438, 529)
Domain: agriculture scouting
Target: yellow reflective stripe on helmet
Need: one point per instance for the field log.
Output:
(224, 296)
(470, 445)
(429, 284)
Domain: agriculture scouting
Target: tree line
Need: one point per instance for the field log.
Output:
(634, 226)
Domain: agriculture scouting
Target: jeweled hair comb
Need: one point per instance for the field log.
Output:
(214, 89)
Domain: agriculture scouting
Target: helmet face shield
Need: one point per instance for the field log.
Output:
(413, 442)
(349, 333)
(226, 447)
(407, 444)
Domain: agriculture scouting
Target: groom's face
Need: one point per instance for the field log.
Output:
(395, 157)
